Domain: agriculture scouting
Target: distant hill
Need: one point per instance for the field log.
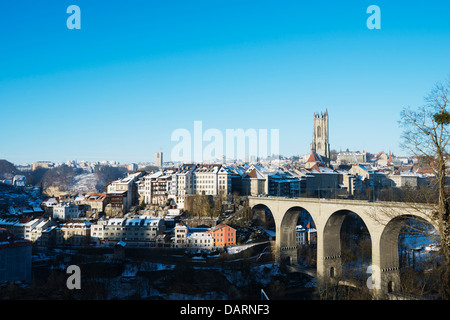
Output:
(7, 169)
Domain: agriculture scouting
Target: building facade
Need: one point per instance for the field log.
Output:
(158, 159)
(204, 238)
(65, 211)
(130, 230)
(122, 193)
(74, 233)
(15, 257)
(223, 235)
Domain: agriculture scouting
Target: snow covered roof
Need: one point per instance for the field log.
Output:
(219, 226)
(314, 157)
(199, 235)
(254, 174)
(116, 221)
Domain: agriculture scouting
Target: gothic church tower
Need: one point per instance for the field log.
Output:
(320, 143)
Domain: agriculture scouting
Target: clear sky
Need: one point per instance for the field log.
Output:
(139, 69)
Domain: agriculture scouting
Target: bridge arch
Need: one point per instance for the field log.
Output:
(266, 218)
(383, 221)
(388, 260)
(331, 244)
(288, 233)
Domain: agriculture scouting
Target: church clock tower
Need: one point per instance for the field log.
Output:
(320, 142)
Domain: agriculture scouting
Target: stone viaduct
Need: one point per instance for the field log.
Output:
(382, 219)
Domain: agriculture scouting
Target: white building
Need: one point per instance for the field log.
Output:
(127, 188)
(184, 183)
(194, 238)
(211, 179)
(19, 181)
(306, 235)
(205, 179)
(130, 230)
(176, 183)
(65, 211)
(158, 186)
(180, 235)
(200, 240)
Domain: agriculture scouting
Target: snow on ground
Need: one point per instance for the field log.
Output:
(262, 273)
(237, 249)
(85, 182)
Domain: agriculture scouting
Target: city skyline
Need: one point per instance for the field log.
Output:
(117, 88)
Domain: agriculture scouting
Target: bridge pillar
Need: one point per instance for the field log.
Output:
(287, 236)
(385, 260)
(286, 245)
(329, 263)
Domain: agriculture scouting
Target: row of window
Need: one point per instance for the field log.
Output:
(125, 229)
(118, 234)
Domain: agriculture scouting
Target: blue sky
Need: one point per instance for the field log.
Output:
(138, 70)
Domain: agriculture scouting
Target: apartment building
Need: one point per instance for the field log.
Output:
(194, 238)
(159, 159)
(200, 240)
(204, 238)
(253, 183)
(74, 233)
(158, 186)
(223, 235)
(306, 235)
(205, 179)
(94, 203)
(129, 230)
(181, 234)
(123, 192)
(176, 183)
(224, 181)
(65, 211)
(184, 183)
(42, 164)
(15, 257)
(37, 231)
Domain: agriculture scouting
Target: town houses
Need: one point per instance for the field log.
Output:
(145, 207)
(137, 231)
(218, 236)
(148, 204)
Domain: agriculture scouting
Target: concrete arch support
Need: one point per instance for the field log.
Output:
(329, 264)
(383, 221)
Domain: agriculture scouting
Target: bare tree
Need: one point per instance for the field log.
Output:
(426, 134)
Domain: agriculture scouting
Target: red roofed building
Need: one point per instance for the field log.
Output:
(314, 161)
(15, 257)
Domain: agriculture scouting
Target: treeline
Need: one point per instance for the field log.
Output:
(212, 206)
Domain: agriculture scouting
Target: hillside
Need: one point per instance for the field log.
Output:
(65, 179)
(7, 169)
